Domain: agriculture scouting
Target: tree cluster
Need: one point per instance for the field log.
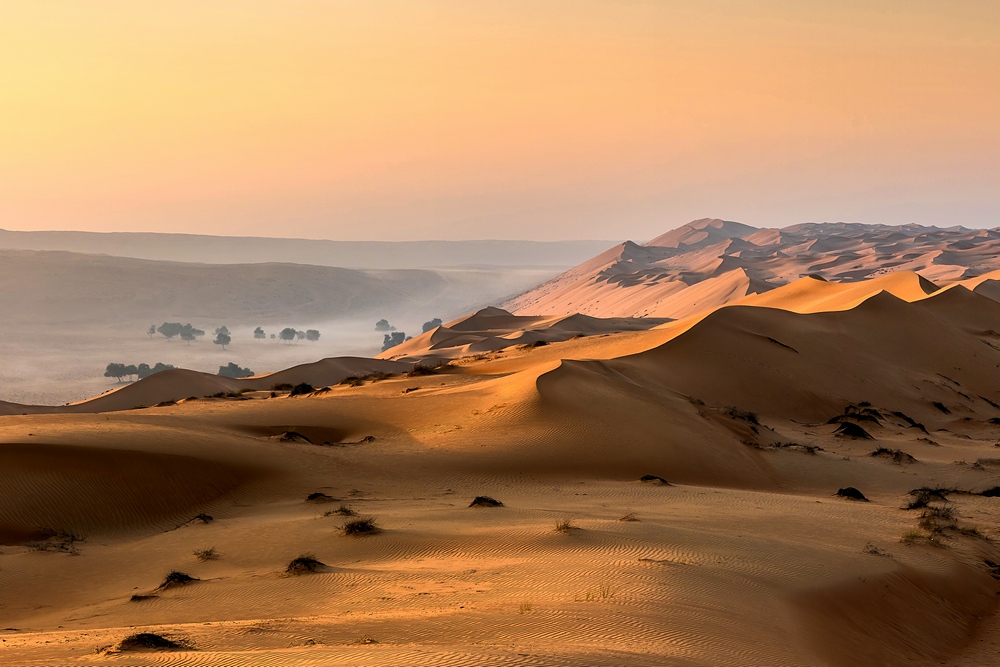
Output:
(234, 371)
(172, 329)
(290, 334)
(120, 371)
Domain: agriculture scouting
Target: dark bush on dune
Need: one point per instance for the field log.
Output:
(301, 389)
(654, 479)
(319, 497)
(925, 495)
(360, 527)
(851, 493)
(175, 579)
(895, 455)
(745, 415)
(849, 430)
(147, 641)
(304, 564)
(485, 501)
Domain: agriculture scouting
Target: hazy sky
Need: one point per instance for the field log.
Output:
(544, 119)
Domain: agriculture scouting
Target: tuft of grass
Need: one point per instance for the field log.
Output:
(343, 510)
(628, 517)
(360, 527)
(565, 525)
(873, 550)
(304, 564)
(203, 518)
(365, 639)
(319, 497)
(206, 554)
(912, 537)
(524, 608)
(62, 541)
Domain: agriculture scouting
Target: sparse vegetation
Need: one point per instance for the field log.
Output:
(524, 608)
(343, 510)
(142, 597)
(176, 579)
(422, 369)
(319, 497)
(851, 493)
(120, 371)
(148, 641)
(808, 449)
(301, 389)
(206, 554)
(203, 518)
(873, 550)
(304, 564)
(360, 527)
(745, 415)
(62, 541)
(894, 455)
(485, 501)
(630, 516)
(359, 380)
(654, 479)
(565, 525)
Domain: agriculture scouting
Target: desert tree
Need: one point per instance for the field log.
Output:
(115, 371)
(223, 330)
(222, 339)
(288, 334)
(259, 334)
(131, 370)
(392, 340)
(312, 335)
(170, 329)
(300, 335)
(273, 337)
(151, 331)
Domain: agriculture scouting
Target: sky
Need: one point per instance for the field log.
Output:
(490, 119)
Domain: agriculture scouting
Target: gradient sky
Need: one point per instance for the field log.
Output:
(542, 119)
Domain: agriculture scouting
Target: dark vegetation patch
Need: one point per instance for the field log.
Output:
(851, 493)
(913, 423)
(873, 550)
(808, 449)
(304, 564)
(301, 389)
(941, 406)
(851, 430)
(654, 479)
(343, 510)
(319, 497)
(60, 541)
(923, 496)
(485, 501)
(895, 455)
(422, 369)
(148, 641)
(565, 526)
(745, 415)
(860, 412)
(140, 597)
(360, 527)
(359, 380)
(294, 436)
(629, 517)
(531, 346)
(175, 579)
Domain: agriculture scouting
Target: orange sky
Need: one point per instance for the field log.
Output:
(540, 119)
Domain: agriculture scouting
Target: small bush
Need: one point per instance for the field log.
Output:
(565, 525)
(175, 579)
(895, 455)
(851, 493)
(304, 564)
(360, 527)
(319, 497)
(745, 415)
(343, 510)
(422, 369)
(485, 501)
(628, 517)
(62, 541)
(139, 597)
(203, 518)
(654, 479)
(206, 554)
(301, 389)
(147, 641)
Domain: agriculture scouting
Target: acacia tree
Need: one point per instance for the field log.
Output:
(170, 329)
(222, 339)
(288, 334)
(115, 371)
(312, 335)
(259, 334)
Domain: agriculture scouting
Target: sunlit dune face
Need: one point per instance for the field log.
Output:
(472, 119)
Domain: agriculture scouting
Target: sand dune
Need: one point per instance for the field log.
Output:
(751, 412)
(708, 263)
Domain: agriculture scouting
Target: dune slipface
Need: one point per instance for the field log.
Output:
(747, 555)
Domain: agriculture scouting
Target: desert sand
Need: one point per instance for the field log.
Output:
(669, 497)
(708, 263)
